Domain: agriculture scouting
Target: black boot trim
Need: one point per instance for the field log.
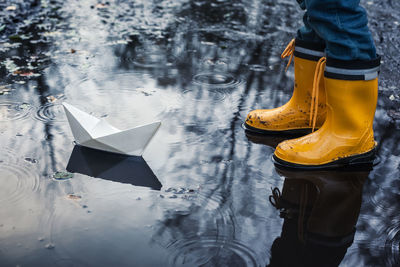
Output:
(353, 70)
(310, 45)
(364, 159)
(309, 50)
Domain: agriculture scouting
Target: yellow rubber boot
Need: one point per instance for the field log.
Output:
(294, 116)
(346, 138)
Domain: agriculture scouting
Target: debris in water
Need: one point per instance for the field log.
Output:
(74, 197)
(4, 90)
(40, 239)
(179, 191)
(19, 37)
(394, 114)
(52, 99)
(101, 6)
(31, 160)
(25, 73)
(392, 97)
(51, 34)
(138, 198)
(73, 51)
(50, 246)
(24, 106)
(62, 175)
(10, 65)
(6, 46)
(11, 8)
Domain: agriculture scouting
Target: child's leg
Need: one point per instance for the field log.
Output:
(343, 25)
(351, 87)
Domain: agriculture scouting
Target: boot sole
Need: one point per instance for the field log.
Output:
(252, 129)
(364, 159)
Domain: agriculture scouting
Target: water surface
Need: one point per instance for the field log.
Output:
(199, 67)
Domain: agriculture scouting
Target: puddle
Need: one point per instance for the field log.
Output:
(201, 195)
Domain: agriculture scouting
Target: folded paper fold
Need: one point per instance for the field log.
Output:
(92, 132)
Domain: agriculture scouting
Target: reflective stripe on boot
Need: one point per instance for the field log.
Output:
(294, 116)
(347, 137)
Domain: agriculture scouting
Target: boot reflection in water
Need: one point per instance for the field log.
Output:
(320, 211)
(335, 90)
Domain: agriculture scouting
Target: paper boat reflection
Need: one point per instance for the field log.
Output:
(92, 132)
(111, 166)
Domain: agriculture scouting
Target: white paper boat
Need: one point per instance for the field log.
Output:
(96, 133)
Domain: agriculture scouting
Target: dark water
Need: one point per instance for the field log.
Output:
(199, 67)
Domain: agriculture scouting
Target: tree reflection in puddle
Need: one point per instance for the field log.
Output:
(199, 66)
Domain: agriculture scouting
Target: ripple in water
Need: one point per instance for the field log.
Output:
(216, 83)
(383, 200)
(16, 183)
(257, 68)
(150, 59)
(216, 80)
(203, 96)
(392, 246)
(50, 113)
(211, 252)
(13, 111)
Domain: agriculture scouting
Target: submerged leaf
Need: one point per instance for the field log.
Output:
(51, 99)
(24, 106)
(4, 90)
(11, 8)
(62, 175)
(101, 6)
(74, 197)
(10, 65)
(23, 73)
(19, 37)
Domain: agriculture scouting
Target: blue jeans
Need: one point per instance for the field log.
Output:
(341, 25)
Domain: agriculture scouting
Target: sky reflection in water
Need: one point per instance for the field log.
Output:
(199, 67)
